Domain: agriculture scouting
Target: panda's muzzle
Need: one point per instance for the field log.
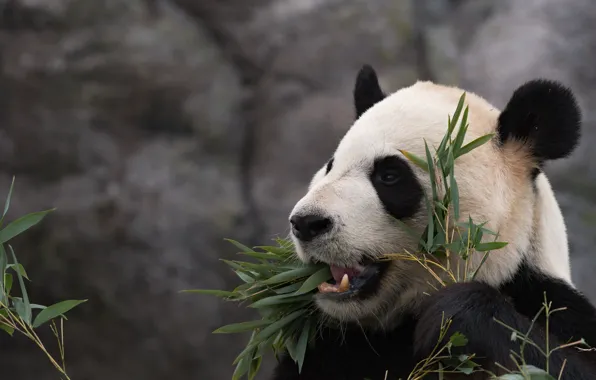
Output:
(355, 282)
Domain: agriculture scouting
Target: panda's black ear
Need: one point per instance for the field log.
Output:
(367, 90)
(544, 115)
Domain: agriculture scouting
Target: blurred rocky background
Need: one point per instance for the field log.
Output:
(160, 127)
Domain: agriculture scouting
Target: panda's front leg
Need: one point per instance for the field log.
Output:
(473, 308)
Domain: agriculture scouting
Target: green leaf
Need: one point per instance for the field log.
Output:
(460, 106)
(490, 246)
(7, 328)
(21, 225)
(536, 373)
(238, 245)
(20, 269)
(250, 347)
(415, 160)
(280, 299)
(7, 283)
(7, 202)
(474, 144)
(459, 139)
(315, 279)
(255, 364)
(55, 310)
(302, 345)
(3, 266)
(245, 277)
(288, 289)
(23, 311)
(511, 376)
(279, 251)
(241, 327)
(278, 325)
(290, 275)
(242, 367)
(466, 370)
(454, 196)
(263, 256)
(458, 340)
(25, 308)
(430, 226)
(431, 170)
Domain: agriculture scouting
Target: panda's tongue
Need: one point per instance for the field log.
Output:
(342, 278)
(338, 272)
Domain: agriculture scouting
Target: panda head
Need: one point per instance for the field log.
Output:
(347, 219)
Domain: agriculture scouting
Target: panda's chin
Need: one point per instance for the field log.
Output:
(363, 282)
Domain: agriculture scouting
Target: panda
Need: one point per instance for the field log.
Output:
(389, 317)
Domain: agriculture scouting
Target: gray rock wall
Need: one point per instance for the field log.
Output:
(160, 127)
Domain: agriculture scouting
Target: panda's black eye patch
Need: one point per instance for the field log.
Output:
(397, 187)
(329, 166)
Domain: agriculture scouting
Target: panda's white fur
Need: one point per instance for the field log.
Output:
(391, 315)
(493, 185)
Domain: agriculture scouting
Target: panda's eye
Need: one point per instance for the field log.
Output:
(388, 177)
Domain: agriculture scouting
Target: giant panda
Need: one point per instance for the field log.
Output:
(390, 316)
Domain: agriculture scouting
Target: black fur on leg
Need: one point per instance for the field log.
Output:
(350, 354)
(473, 308)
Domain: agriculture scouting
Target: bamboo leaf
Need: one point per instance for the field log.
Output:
(315, 279)
(474, 144)
(430, 226)
(279, 251)
(415, 160)
(302, 345)
(460, 106)
(279, 300)
(7, 283)
(242, 367)
(288, 289)
(263, 256)
(490, 246)
(431, 170)
(459, 139)
(255, 364)
(21, 225)
(278, 325)
(3, 266)
(24, 310)
(55, 310)
(241, 327)
(238, 245)
(290, 275)
(19, 268)
(7, 202)
(454, 196)
(9, 329)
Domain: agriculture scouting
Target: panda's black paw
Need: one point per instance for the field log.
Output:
(471, 308)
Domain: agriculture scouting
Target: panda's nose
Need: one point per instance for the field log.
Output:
(308, 227)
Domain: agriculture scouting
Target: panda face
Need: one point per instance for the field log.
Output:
(348, 218)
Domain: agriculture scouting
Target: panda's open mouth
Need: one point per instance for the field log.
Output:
(359, 281)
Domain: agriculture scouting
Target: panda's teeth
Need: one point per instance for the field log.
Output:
(345, 283)
(343, 286)
(326, 287)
